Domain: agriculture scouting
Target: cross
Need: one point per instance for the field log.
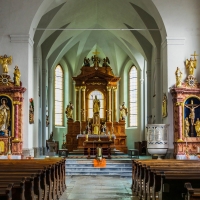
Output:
(194, 55)
(96, 52)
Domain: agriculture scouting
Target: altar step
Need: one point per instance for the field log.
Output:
(122, 168)
(81, 152)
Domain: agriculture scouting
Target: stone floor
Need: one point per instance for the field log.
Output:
(98, 188)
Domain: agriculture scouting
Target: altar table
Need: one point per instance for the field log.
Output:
(102, 144)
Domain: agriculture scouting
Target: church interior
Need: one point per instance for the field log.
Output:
(105, 80)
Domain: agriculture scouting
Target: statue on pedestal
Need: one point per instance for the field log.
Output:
(5, 61)
(178, 74)
(69, 110)
(96, 105)
(123, 111)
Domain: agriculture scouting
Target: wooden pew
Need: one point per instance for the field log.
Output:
(143, 178)
(6, 193)
(192, 193)
(53, 178)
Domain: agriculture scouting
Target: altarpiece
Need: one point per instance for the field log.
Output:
(97, 77)
(11, 104)
(186, 111)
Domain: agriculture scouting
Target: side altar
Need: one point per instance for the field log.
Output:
(96, 107)
(186, 111)
(11, 109)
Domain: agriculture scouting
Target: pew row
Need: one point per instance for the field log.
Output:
(158, 179)
(33, 179)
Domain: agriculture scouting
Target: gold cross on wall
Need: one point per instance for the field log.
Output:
(194, 55)
(96, 52)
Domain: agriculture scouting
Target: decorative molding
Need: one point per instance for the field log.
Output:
(173, 41)
(21, 39)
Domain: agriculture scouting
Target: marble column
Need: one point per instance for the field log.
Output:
(77, 103)
(109, 111)
(83, 88)
(16, 123)
(180, 125)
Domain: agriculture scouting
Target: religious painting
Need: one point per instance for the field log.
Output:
(191, 117)
(6, 113)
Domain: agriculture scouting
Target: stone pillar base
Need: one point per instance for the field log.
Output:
(36, 152)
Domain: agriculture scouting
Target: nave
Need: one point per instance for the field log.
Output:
(98, 188)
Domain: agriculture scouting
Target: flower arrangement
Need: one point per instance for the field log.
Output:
(31, 111)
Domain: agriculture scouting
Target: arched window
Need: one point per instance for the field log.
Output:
(100, 96)
(58, 95)
(133, 89)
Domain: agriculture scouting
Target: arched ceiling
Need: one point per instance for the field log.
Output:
(120, 30)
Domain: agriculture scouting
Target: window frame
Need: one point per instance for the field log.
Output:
(62, 96)
(134, 113)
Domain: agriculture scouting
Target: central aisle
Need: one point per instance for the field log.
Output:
(98, 187)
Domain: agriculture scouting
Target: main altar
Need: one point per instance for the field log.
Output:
(95, 115)
(186, 110)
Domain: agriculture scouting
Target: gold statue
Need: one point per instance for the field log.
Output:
(17, 75)
(164, 106)
(96, 105)
(187, 127)
(191, 65)
(197, 127)
(4, 116)
(69, 110)
(178, 74)
(5, 61)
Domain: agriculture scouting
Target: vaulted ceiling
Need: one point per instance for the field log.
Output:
(122, 30)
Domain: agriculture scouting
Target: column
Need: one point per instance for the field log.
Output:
(109, 111)
(83, 88)
(77, 103)
(180, 125)
(114, 104)
(16, 121)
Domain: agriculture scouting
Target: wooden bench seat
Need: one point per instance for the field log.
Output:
(47, 175)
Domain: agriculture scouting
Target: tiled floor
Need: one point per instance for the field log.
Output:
(98, 188)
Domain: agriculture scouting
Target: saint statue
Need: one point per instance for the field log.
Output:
(96, 105)
(69, 110)
(197, 127)
(191, 65)
(187, 127)
(106, 62)
(4, 116)
(17, 75)
(123, 111)
(164, 106)
(5, 61)
(86, 62)
(178, 74)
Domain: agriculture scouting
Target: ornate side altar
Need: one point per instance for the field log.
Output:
(11, 100)
(186, 109)
(96, 107)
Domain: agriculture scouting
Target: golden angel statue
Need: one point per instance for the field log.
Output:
(191, 65)
(5, 61)
(178, 74)
(17, 75)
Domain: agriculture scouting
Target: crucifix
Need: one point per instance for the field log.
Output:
(194, 55)
(192, 108)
